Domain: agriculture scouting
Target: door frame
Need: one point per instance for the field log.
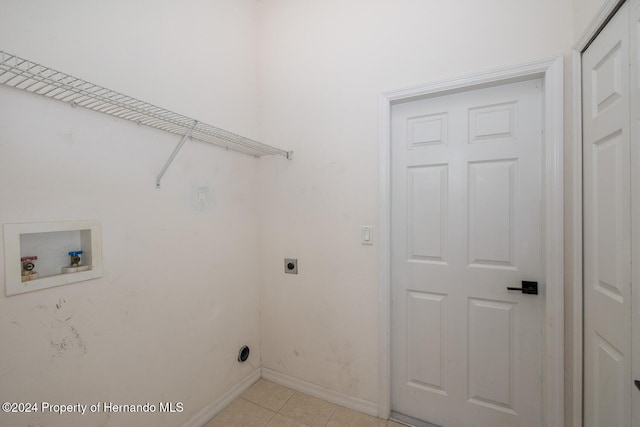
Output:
(550, 70)
(607, 10)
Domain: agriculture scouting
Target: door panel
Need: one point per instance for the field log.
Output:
(491, 339)
(492, 189)
(427, 213)
(425, 339)
(607, 228)
(466, 224)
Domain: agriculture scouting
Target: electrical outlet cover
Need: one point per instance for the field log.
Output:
(291, 266)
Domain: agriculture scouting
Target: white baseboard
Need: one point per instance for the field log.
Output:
(211, 410)
(361, 405)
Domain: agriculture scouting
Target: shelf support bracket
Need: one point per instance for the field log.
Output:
(175, 153)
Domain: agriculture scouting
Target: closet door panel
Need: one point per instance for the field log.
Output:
(607, 226)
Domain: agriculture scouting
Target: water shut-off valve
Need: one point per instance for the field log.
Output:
(75, 261)
(75, 258)
(28, 272)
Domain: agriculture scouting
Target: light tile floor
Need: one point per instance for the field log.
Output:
(272, 405)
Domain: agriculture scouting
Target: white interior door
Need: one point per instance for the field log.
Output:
(466, 224)
(607, 226)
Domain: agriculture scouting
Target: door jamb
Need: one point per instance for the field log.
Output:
(608, 8)
(551, 71)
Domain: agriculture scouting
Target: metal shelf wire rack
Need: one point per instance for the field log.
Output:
(29, 76)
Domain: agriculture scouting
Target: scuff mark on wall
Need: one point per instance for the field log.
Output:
(79, 340)
(201, 197)
(68, 137)
(59, 346)
(66, 338)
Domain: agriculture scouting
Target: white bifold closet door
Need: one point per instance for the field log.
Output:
(610, 192)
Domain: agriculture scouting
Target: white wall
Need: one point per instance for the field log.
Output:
(150, 331)
(179, 294)
(323, 66)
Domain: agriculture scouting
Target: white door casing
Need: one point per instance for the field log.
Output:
(607, 226)
(634, 132)
(550, 70)
(466, 224)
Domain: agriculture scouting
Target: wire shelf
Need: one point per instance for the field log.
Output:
(29, 76)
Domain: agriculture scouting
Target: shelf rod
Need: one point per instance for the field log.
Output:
(175, 153)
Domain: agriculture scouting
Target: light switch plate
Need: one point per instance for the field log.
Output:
(367, 235)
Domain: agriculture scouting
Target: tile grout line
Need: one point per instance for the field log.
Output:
(286, 401)
(285, 404)
(269, 420)
(277, 412)
(335, 408)
(257, 404)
